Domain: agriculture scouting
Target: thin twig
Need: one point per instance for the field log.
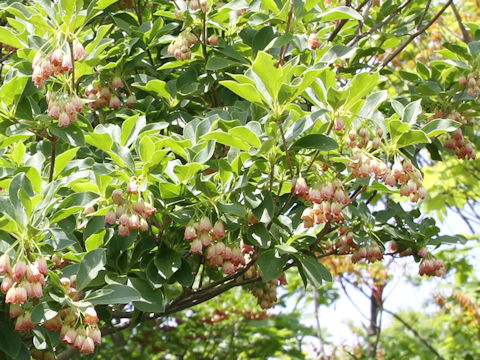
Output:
(53, 142)
(283, 50)
(289, 163)
(343, 22)
(70, 45)
(414, 35)
(364, 16)
(415, 332)
(316, 305)
(466, 36)
(380, 24)
(420, 337)
(427, 6)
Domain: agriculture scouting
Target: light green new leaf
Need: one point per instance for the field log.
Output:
(246, 91)
(131, 127)
(95, 240)
(147, 148)
(226, 139)
(157, 87)
(185, 173)
(246, 135)
(62, 160)
(272, 77)
(9, 38)
(413, 137)
(340, 13)
(362, 85)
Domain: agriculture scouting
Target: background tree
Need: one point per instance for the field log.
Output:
(156, 155)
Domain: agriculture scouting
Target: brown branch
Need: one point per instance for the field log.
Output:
(53, 142)
(415, 332)
(414, 35)
(283, 50)
(318, 329)
(343, 22)
(72, 58)
(204, 37)
(427, 6)
(380, 24)
(365, 14)
(286, 148)
(466, 36)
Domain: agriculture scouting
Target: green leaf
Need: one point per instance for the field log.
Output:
(114, 294)
(412, 137)
(316, 141)
(63, 159)
(152, 299)
(474, 48)
(397, 127)
(411, 112)
(258, 235)
(226, 139)
(440, 126)
(246, 135)
(9, 38)
(338, 51)
(167, 262)
(448, 239)
(72, 134)
(72, 204)
(44, 311)
(313, 269)
(10, 341)
(215, 63)
(90, 266)
(340, 13)
(270, 264)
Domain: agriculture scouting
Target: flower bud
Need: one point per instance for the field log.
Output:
(132, 188)
(205, 239)
(87, 346)
(205, 225)
(196, 246)
(19, 270)
(90, 316)
(110, 217)
(117, 196)
(218, 230)
(41, 264)
(78, 51)
(143, 224)
(5, 264)
(15, 310)
(123, 230)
